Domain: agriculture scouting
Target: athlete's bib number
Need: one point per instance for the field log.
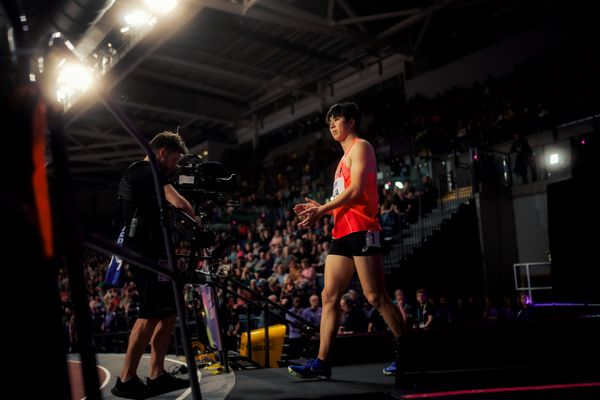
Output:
(338, 187)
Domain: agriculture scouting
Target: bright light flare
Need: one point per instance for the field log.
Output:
(161, 6)
(72, 78)
(138, 18)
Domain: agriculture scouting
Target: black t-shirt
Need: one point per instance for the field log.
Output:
(377, 320)
(355, 321)
(423, 313)
(138, 199)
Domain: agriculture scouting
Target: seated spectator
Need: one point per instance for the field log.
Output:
(390, 218)
(294, 333)
(525, 308)
(406, 309)
(279, 274)
(289, 288)
(443, 315)
(490, 311)
(262, 287)
(278, 313)
(277, 240)
(425, 314)
(308, 273)
(264, 265)
(376, 321)
(508, 311)
(251, 261)
(354, 319)
(313, 313)
(323, 255)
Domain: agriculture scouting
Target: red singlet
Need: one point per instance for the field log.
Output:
(361, 214)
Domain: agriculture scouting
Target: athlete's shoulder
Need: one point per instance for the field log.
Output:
(362, 146)
(364, 142)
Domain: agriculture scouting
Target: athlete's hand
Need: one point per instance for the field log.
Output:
(299, 208)
(310, 215)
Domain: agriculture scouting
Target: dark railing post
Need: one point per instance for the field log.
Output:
(197, 320)
(248, 330)
(510, 173)
(176, 340)
(420, 219)
(266, 319)
(440, 192)
(73, 254)
(473, 175)
(224, 315)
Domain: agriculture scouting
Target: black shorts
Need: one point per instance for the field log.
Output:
(355, 244)
(156, 298)
(155, 295)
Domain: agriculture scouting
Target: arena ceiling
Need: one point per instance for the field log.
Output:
(230, 70)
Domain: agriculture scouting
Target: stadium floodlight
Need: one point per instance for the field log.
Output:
(73, 79)
(161, 6)
(138, 18)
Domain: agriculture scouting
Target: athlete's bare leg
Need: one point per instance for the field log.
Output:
(338, 272)
(371, 274)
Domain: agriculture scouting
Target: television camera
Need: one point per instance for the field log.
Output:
(203, 181)
(200, 183)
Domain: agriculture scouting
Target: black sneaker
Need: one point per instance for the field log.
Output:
(133, 388)
(165, 383)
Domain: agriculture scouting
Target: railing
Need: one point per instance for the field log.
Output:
(533, 276)
(451, 189)
(267, 307)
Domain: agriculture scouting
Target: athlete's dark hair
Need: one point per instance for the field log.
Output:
(347, 110)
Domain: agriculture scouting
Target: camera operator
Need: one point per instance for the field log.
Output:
(157, 311)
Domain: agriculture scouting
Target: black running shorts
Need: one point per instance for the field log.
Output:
(362, 243)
